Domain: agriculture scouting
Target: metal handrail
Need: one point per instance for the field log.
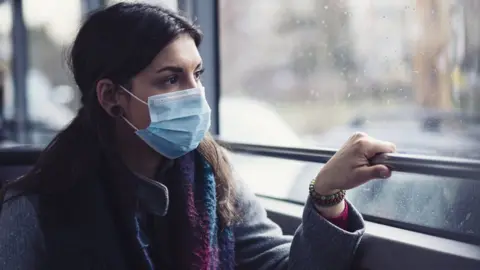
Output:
(427, 165)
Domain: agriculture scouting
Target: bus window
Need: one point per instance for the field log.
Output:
(403, 71)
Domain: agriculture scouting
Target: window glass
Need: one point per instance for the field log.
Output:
(52, 100)
(312, 72)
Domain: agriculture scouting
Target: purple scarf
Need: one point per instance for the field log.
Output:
(199, 242)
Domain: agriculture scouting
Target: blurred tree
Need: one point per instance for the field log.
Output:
(334, 16)
(432, 75)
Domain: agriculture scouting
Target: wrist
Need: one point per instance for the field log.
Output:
(324, 196)
(330, 211)
(323, 185)
(322, 188)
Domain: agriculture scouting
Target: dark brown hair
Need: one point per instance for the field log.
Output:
(115, 43)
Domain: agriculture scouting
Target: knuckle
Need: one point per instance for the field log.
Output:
(359, 134)
(393, 147)
(361, 143)
(389, 146)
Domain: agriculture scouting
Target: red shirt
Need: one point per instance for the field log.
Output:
(341, 220)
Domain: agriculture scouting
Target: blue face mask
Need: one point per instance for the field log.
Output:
(178, 121)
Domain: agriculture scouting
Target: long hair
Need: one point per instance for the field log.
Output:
(115, 43)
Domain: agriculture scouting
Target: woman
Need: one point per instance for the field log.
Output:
(134, 182)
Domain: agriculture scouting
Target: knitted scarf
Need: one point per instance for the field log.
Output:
(198, 241)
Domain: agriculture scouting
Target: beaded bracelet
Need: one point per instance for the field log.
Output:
(325, 200)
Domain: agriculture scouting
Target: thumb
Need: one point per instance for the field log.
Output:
(367, 173)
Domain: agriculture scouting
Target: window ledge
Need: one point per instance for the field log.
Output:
(386, 247)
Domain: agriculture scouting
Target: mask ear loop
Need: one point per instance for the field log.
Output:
(137, 98)
(129, 123)
(131, 94)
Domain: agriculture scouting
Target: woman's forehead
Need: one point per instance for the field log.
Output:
(181, 52)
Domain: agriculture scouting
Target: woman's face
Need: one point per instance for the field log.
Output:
(177, 67)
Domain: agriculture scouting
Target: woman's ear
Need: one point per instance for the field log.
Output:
(108, 97)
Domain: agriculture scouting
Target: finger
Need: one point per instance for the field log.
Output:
(366, 173)
(377, 146)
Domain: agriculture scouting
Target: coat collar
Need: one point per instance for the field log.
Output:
(132, 190)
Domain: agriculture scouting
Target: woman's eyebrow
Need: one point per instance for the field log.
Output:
(170, 68)
(175, 69)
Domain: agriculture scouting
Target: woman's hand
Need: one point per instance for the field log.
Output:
(350, 167)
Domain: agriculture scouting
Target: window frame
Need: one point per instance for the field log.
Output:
(19, 71)
(206, 16)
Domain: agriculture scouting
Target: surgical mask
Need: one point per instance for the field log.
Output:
(178, 121)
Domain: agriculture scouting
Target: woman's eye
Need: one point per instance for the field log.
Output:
(198, 74)
(172, 79)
